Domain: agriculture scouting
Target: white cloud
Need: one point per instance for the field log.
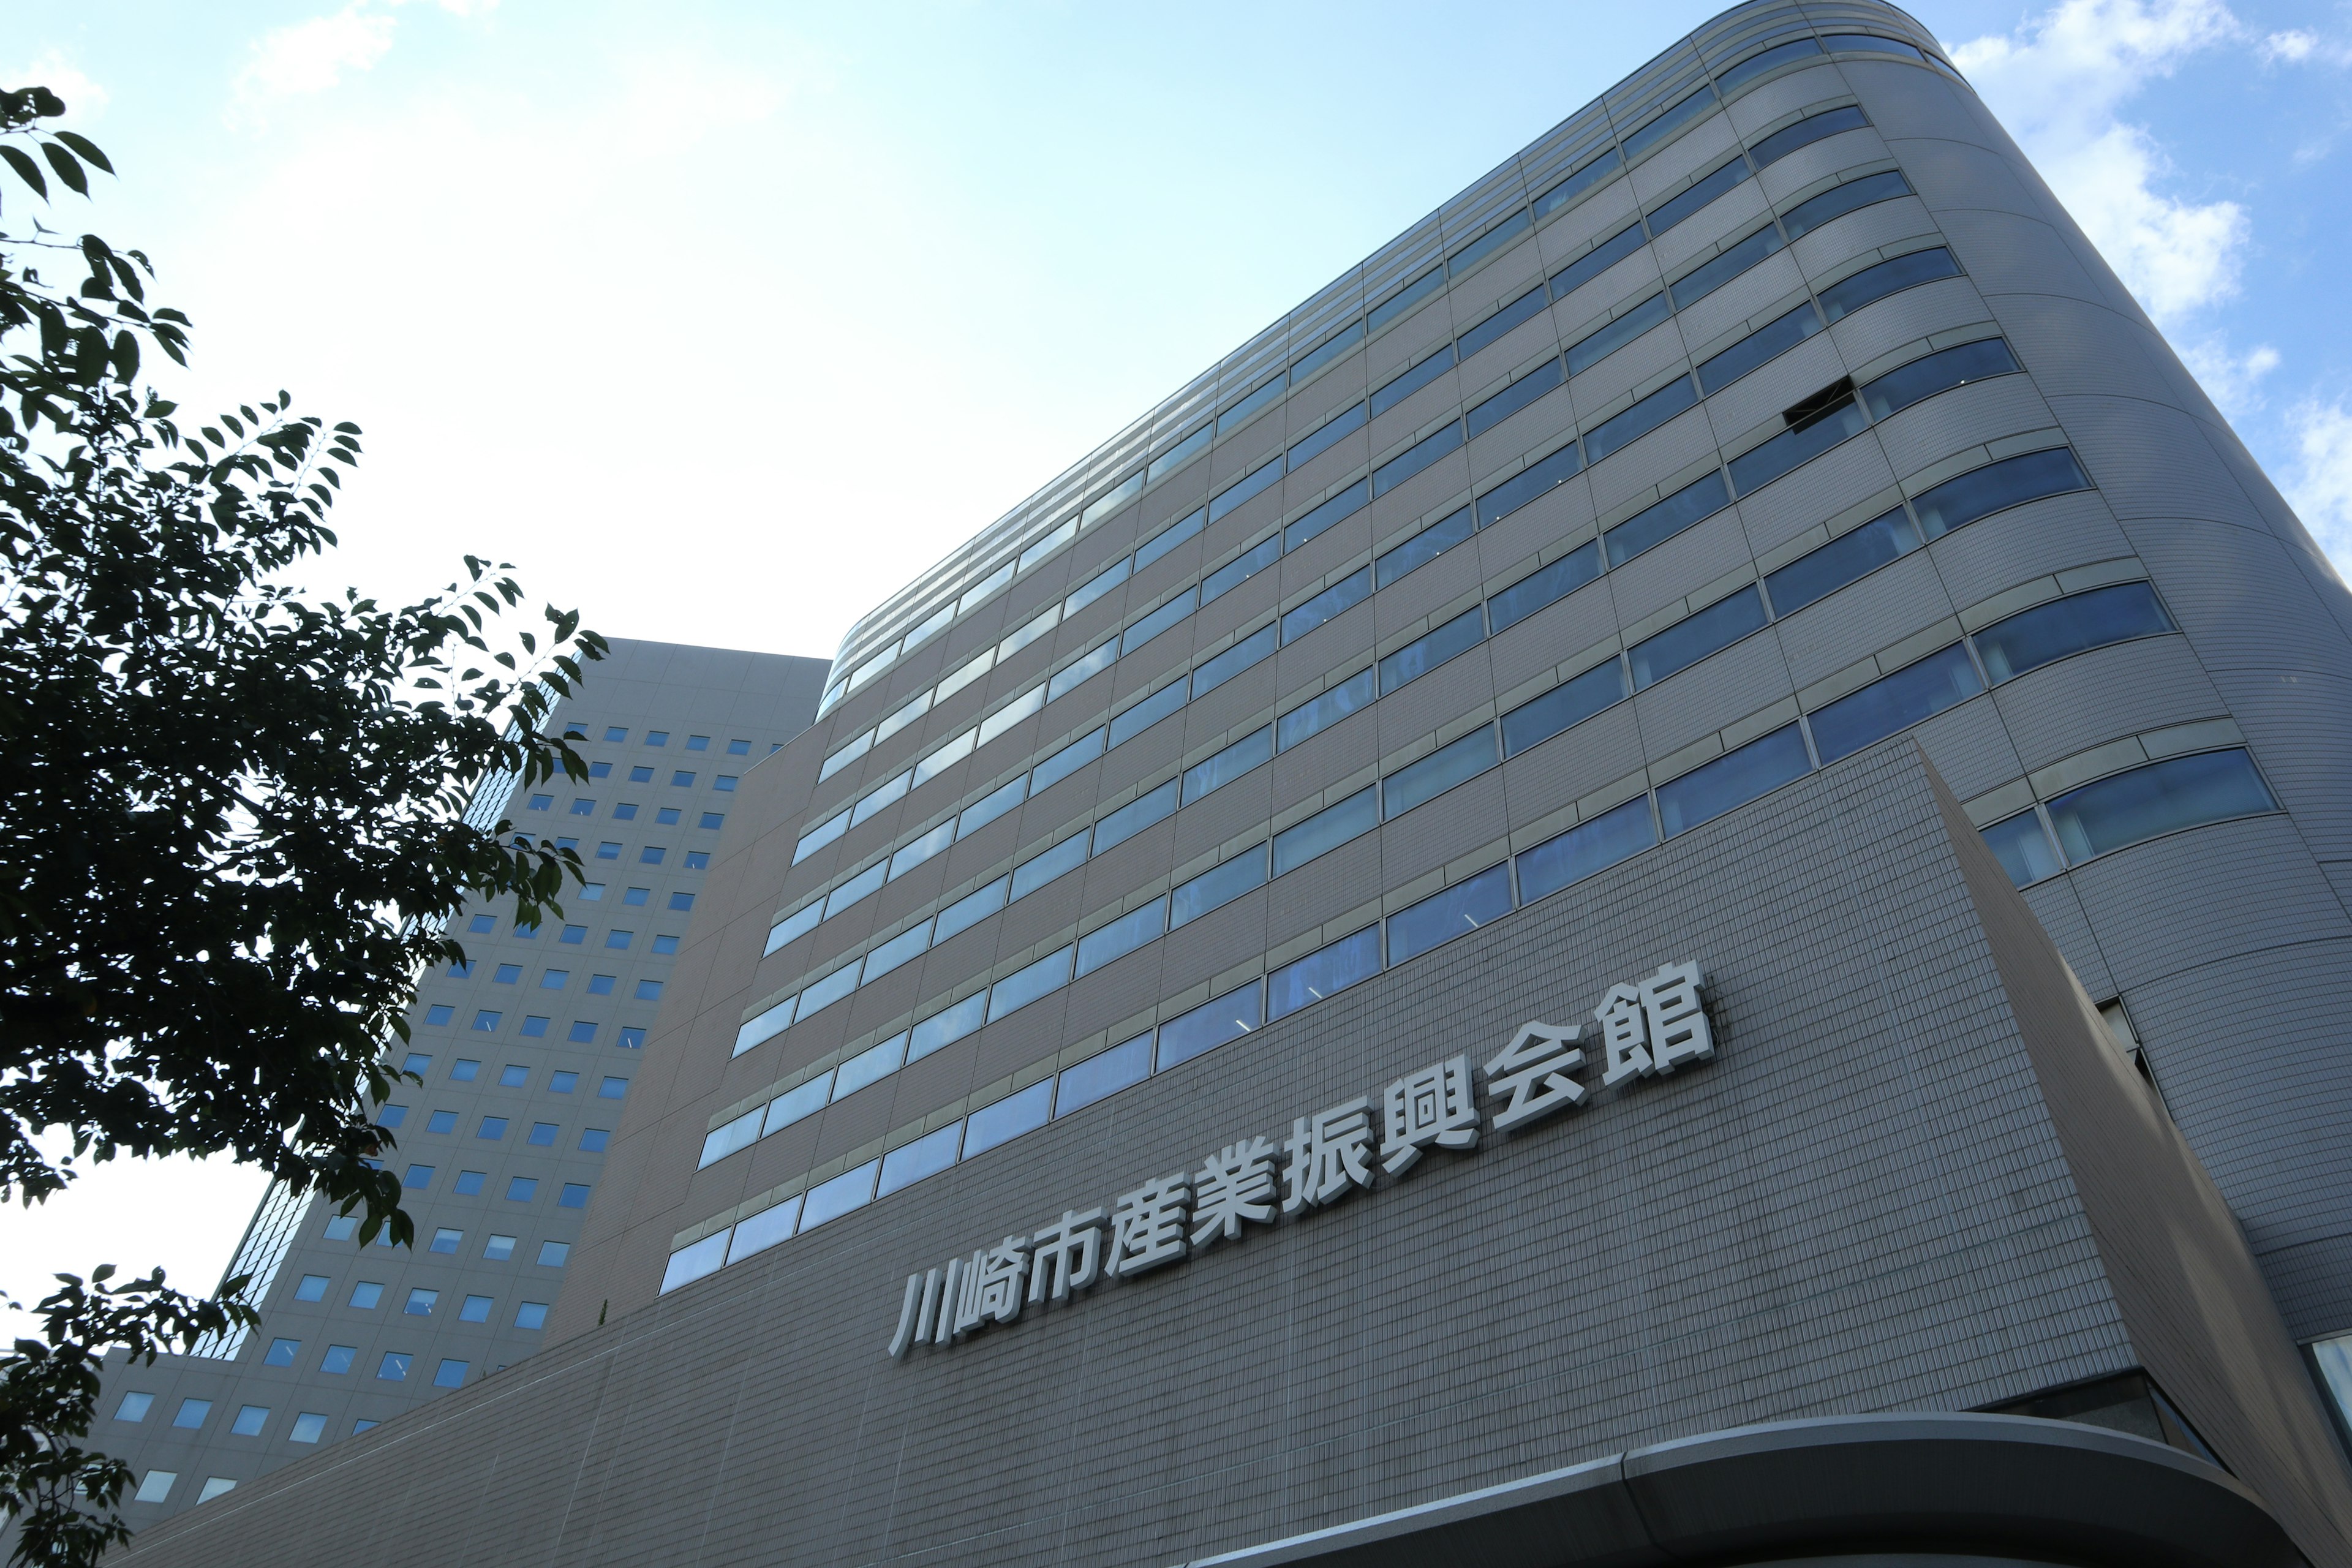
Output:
(2231, 380)
(2321, 490)
(2292, 46)
(85, 100)
(312, 57)
(2060, 83)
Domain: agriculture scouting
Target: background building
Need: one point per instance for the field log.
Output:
(528, 1057)
(1751, 527)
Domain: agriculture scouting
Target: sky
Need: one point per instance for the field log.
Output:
(722, 321)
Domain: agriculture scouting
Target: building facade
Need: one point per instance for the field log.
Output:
(1603, 901)
(525, 1058)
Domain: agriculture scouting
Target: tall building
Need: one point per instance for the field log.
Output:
(1665, 881)
(526, 1057)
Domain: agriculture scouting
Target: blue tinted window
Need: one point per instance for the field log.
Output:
(1103, 1075)
(2022, 848)
(1336, 600)
(1757, 64)
(1158, 621)
(1667, 123)
(1242, 568)
(1327, 830)
(1708, 276)
(1872, 283)
(1136, 816)
(1577, 183)
(1183, 452)
(1732, 780)
(1569, 703)
(1598, 259)
(1923, 378)
(1426, 653)
(1765, 344)
(1545, 379)
(926, 1157)
(1486, 243)
(992, 805)
(1241, 413)
(1079, 670)
(1693, 637)
(971, 909)
(1323, 974)
(1247, 487)
(1727, 176)
(1217, 886)
(1839, 200)
(1215, 773)
(1122, 936)
(1039, 869)
(1169, 538)
(1424, 547)
(1841, 561)
(2010, 483)
(1215, 672)
(2162, 797)
(1339, 508)
(871, 1064)
(1807, 132)
(1614, 434)
(1150, 712)
(1873, 45)
(1416, 457)
(1103, 582)
(1101, 507)
(1459, 910)
(1320, 712)
(1417, 783)
(1055, 768)
(1537, 479)
(1656, 524)
(1016, 1113)
(1330, 348)
(1911, 694)
(1589, 846)
(1491, 331)
(1599, 344)
(943, 1027)
(1395, 390)
(1405, 299)
(1330, 434)
(1545, 585)
(1026, 984)
(1209, 1025)
(2031, 639)
(1752, 470)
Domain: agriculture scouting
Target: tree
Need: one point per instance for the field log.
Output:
(234, 821)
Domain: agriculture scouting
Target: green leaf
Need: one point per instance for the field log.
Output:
(26, 170)
(87, 148)
(68, 169)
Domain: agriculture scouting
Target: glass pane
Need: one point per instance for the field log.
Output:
(1420, 783)
(1568, 703)
(1693, 637)
(1395, 390)
(1026, 984)
(1415, 457)
(1598, 260)
(1499, 325)
(1330, 434)
(1752, 470)
(1754, 66)
(2162, 797)
(1323, 974)
(1332, 602)
(1536, 384)
(927, 1156)
(947, 1025)
(1669, 213)
(1227, 765)
(1424, 547)
(1025, 1111)
(1339, 508)
(1459, 910)
(2031, 639)
(1327, 830)
(1103, 1075)
(1540, 588)
(1418, 658)
(1766, 343)
(1732, 780)
(849, 1191)
(1259, 645)
(1589, 846)
(1656, 524)
(1209, 1025)
(1924, 377)
(1240, 568)
(1615, 434)
(1150, 712)
(1320, 712)
(1911, 694)
(1039, 869)
(1219, 886)
(1851, 555)
(1105, 945)
(971, 909)
(1839, 200)
(1708, 276)
(1135, 816)
(1807, 132)
(1872, 283)
(2010, 483)
(2023, 847)
(1577, 183)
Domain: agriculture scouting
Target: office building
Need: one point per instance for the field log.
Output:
(1661, 883)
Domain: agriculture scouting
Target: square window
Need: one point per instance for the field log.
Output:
(573, 1196)
(383, 1237)
(668, 816)
(592, 1140)
(712, 821)
(366, 1294)
(540, 803)
(281, 1353)
(446, 1240)
(418, 1178)
(250, 1420)
(134, 1406)
(574, 732)
(582, 1032)
(631, 1041)
(533, 1025)
(724, 784)
(493, 1128)
(337, 1360)
(657, 737)
(474, 1310)
(681, 901)
(626, 811)
(614, 734)
(572, 843)
(609, 850)
(664, 944)
(514, 1075)
(590, 893)
(469, 1183)
(156, 1487)
(552, 1254)
(439, 1012)
(555, 980)
(641, 775)
(637, 896)
(309, 1427)
(343, 1227)
(461, 968)
(651, 855)
(449, 1375)
(583, 806)
(649, 989)
(525, 933)
(738, 748)
(565, 1082)
(600, 770)
(363, 1425)
(441, 1122)
(480, 924)
(697, 742)
(681, 779)
(698, 860)
(498, 1248)
(313, 1287)
(521, 1189)
(613, 1089)
(390, 1115)
(530, 1315)
(420, 1302)
(599, 985)
(416, 1062)
(620, 939)
(487, 1021)
(542, 1133)
(574, 936)
(464, 1069)
(394, 1367)
(507, 974)
(215, 1485)
(193, 1413)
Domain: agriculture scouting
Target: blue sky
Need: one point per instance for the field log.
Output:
(721, 320)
